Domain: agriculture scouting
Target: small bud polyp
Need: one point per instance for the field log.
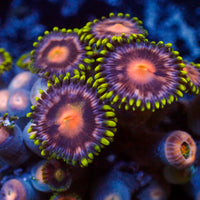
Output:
(185, 150)
(192, 72)
(59, 175)
(113, 196)
(13, 189)
(38, 174)
(4, 134)
(10, 194)
(180, 149)
(4, 95)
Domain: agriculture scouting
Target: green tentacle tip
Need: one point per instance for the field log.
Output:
(37, 98)
(176, 53)
(111, 124)
(32, 52)
(43, 152)
(101, 90)
(127, 15)
(46, 32)
(65, 79)
(101, 59)
(90, 53)
(115, 119)
(39, 38)
(40, 91)
(101, 80)
(114, 38)
(135, 19)
(44, 143)
(109, 114)
(88, 60)
(148, 105)
(168, 45)
(109, 95)
(97, 148)
(109, 133)
(160, 43)
(98, 43)
(110, 46)
(81, 66)
(76, 72)
(171, 98)
(182, 87)
(126, 107)
(98, 75)
(107, 107)
(190, 83)
(55, 28)
(163, 101)
(35, 44)
(197, 91)
(97, 68)
(183, 80)
(64, 30)
(32, 107)
(193, 88)
(103, 97)
(120, 14)
(138, 103)
(168, 101)
(91, 156)
(183, 72)
(92, 41)
(153, 43)
(179, 93)
(131, 102)
(88, 37)
(115, 99)
(104, 85)
(105, 40)
(60, 77)
(49, 84)
(83, 78)
(111, 14)
(103, 52)
(182, 65)
(123, 100)
(139, 22)
(29, 114)
(95, 84)
(29, 131)
(84, 162)
(105, 142)
(179, 58)
(157, 104)
(33, 136)
(36, 142)
(89, 81)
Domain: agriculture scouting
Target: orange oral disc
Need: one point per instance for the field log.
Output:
(141, 71)
(70, 120)
(58, 54)
(118, 28)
